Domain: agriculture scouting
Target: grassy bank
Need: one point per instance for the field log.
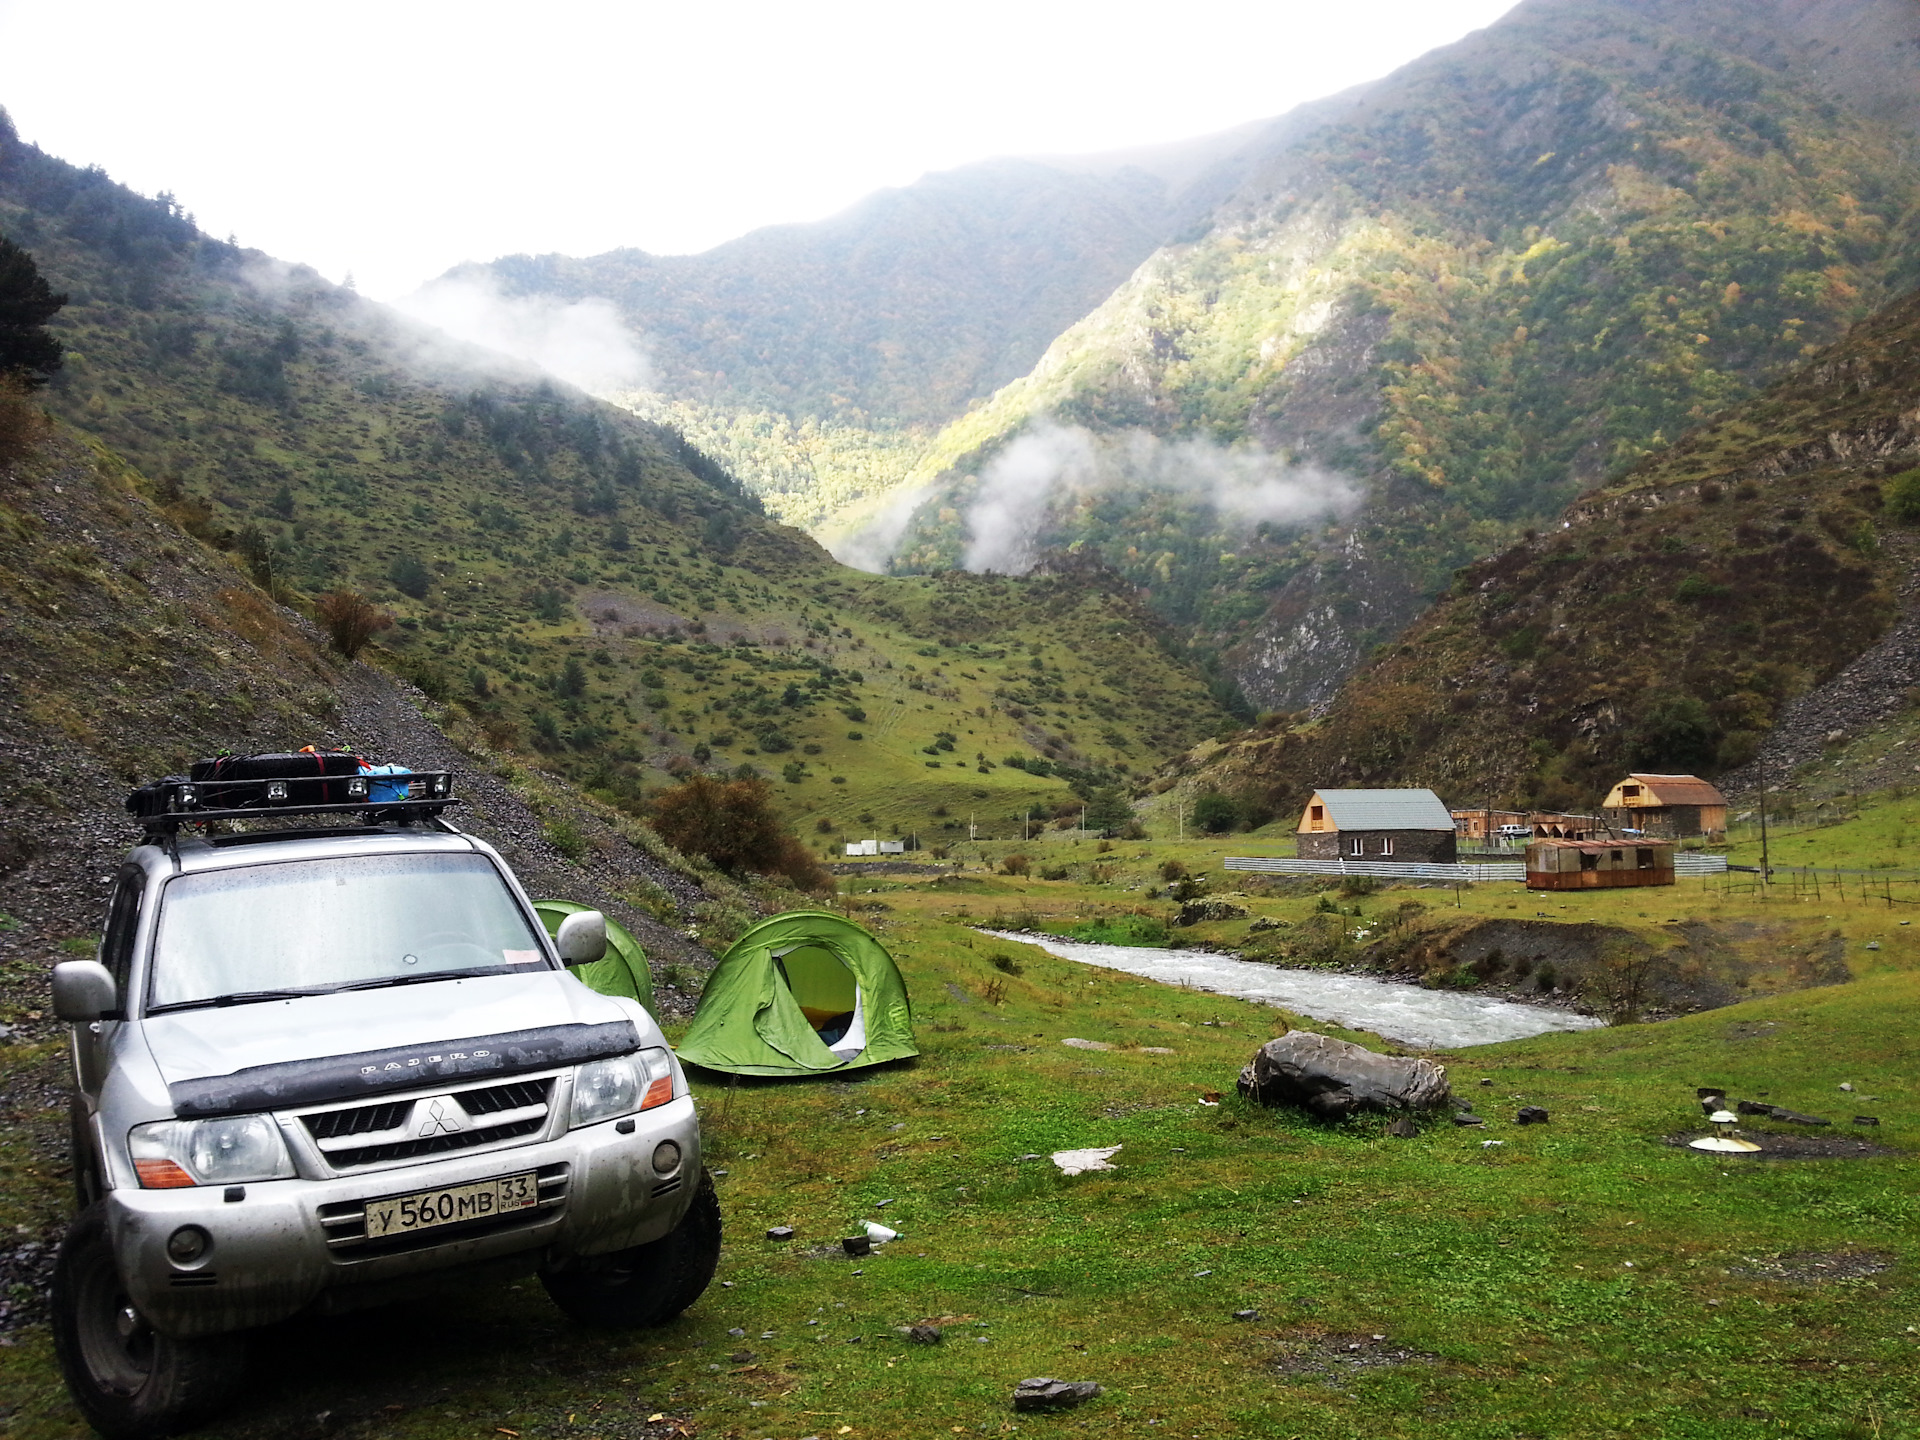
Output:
(1581, 1278)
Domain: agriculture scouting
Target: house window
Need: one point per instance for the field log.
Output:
(1629, 792)
(1358, 846)
(1386, 847)
(1644, 859)
(1317, 814)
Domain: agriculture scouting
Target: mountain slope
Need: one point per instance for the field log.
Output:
(818, 359)
(1665, 623)
(1478, 287)
(585, 587)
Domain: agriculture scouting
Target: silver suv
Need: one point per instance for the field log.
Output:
(316, 1068)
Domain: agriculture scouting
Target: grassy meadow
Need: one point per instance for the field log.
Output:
(1581, 1278)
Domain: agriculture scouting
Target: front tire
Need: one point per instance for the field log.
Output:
(130, 1381)
(649, 1284)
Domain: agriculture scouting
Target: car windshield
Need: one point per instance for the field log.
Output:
(309, 926)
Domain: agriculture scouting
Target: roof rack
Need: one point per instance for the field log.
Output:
(174, 802)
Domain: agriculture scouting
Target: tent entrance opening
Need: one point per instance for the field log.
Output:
(827, 994)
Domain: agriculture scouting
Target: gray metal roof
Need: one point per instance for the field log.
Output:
(1385, 810)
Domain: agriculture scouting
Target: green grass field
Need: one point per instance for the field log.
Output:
(1581, 1278)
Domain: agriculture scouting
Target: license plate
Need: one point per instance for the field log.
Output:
(481, 1200)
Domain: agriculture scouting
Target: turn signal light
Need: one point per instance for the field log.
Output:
(162, 1175)
(658, 1093)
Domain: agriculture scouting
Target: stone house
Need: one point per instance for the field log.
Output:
(1404, 825)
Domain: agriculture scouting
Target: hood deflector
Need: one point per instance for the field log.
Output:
(374, 1072)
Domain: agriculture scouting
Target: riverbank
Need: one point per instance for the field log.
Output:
(1406, 1014)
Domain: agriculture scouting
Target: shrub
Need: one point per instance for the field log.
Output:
(733, 824)
(1016, 865)
(1215, 813)
(1903, 497)
(1004, 963)
(410, 577)
(1172, 870)
(23, 424)
(565, 837)
(1053, 872)
(350, 620)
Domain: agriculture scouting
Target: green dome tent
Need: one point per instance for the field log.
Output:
(621, 971)
(801, 994)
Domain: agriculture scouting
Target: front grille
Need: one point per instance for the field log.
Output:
(346, 1221)
(437, 1145)
(402, 1130)
(666, 1187)
(193, 1281)
(334, 1123)
(511, 1096)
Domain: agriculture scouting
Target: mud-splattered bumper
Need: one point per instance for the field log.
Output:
(291, 1245)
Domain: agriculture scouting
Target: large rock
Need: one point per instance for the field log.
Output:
(1334, 1079)
(1210, 908)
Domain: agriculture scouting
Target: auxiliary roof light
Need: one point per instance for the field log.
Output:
(357, 788)
(276, 790)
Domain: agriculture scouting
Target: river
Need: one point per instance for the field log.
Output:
(1405, 1014)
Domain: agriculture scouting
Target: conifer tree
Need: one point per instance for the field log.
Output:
(28, 354)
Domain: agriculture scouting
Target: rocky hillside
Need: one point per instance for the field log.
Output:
(587, 589)
(1472, 291)
(131, 647)
(1751, 574)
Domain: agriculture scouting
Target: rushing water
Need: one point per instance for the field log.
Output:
(1406, 1014)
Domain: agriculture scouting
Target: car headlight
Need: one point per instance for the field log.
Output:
(172, 1154)
(606, 1088)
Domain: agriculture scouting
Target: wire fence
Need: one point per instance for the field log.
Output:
(1683, 864)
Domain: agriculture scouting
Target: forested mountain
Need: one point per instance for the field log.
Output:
(1383, 335)
(822, 357)
(1488, 282)
(1663, 624)
(571, 583)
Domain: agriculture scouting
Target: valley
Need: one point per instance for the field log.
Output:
(1545, 410)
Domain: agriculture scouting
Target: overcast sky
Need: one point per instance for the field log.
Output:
(395, 139)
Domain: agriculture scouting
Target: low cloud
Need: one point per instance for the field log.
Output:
(877, 539)
(1024, 485)
(584, 342)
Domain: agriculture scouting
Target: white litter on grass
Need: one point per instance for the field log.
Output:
(1723, 1143)
(1078, 1162)
(1724, 1117)
(1489, 1144)
(880, 1234)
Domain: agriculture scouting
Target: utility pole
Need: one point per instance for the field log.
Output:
(1765, 873)
(1026, 827)
(973, 830)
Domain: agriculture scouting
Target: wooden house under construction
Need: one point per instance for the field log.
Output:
(1598, 864)
(1678, 807)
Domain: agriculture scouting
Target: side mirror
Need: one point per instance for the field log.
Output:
(582, 938)
(84, 990)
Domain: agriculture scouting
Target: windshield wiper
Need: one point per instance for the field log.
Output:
(240, 997)
(421, 979)
(249, 997)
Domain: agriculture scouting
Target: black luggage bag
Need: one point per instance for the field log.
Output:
(308, 777)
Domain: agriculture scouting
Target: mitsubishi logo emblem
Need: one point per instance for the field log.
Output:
(439, 1116)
